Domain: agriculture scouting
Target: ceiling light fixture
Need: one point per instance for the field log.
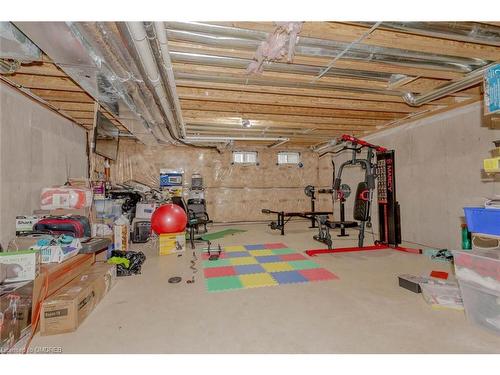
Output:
(246, 123)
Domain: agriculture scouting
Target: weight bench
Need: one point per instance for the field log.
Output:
(280, 222)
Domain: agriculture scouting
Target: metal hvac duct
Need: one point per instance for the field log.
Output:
(234, 62)
(472, 32)
(236, 38)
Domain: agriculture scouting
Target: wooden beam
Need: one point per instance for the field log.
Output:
(73, 106)
(279, 118)
(235, 126)
(305, 92)
(241, 73)
(63, 96)
(78, 114)
(246, 108)
(313, 102)
(427, 84)
(45, 82)
(41, 69)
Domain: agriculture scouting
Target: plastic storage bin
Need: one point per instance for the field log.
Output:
(482, 306)
(481, 268)
(482, 220)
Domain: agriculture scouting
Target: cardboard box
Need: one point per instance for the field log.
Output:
(15, 313)
(67, 309)
(55, 275)
(76, 211)
(172, 243)
(22, 265)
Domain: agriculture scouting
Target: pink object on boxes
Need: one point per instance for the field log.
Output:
(65, 197)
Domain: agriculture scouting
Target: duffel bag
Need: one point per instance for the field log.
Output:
(75, 225)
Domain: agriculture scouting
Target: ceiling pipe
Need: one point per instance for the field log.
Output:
(469, 80)
(236, 62)
(139, 39)
(229, 139)
(128, 76)
(167, 73)
(237, 38)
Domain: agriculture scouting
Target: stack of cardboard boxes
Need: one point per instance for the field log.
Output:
(57, 295)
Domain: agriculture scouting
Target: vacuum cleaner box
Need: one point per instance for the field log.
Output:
(15, 313)
(57, 275)
(67, 309)
(172, 243)
(21, 265)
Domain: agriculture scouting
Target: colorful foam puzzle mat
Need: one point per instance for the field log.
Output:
(253, 266)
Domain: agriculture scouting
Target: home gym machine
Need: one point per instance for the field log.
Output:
(284, 217)
(380, 174)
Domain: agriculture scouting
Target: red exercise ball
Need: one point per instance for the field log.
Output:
(169, 218)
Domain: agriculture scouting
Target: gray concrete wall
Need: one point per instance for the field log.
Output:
(438, 172)
(37, 148)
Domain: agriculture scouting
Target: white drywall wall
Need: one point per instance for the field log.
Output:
(37, 146)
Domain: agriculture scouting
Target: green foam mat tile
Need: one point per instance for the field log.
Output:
(221, 234)
(303, 264)
(216, 263)
(216, 284)
(283, 251)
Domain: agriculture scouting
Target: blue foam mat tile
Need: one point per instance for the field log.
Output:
(249, 269)
(268, 259)
(288, 277)
(236, 254)
(255, 247)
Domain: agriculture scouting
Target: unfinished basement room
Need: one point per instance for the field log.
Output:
(180, 182)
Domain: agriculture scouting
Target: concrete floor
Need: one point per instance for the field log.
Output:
(363, 312)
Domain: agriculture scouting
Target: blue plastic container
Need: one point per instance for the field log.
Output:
(482, 220)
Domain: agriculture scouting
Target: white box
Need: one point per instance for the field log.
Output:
(21, 265)
(25, 223)
(58, 253)
(144, 210)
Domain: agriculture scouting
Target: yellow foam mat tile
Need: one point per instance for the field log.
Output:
(257, 280)
(277, 267)
(234, 248)
(242, 261)
(260, 253)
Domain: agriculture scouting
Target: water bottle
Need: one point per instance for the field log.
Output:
(466, 238)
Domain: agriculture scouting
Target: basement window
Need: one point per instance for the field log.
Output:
(288, 157)
(245, 157)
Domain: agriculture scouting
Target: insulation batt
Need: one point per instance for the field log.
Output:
(274, 47)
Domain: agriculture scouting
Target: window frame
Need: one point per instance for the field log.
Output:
(234, 162)
(299, 157)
